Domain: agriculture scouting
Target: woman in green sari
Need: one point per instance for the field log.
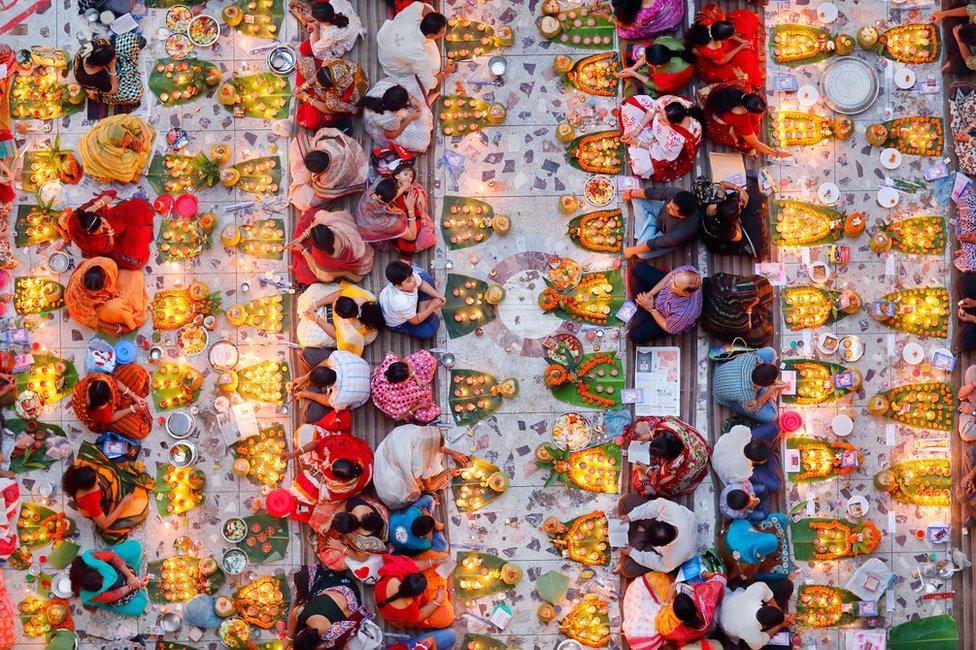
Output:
(115, 496)
(109, 579)
(668, 66)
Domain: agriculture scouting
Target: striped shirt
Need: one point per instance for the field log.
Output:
(680, 312)
(732, 381)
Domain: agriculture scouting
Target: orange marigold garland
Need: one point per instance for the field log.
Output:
(911, 43)
(597, 153)
(600, 231)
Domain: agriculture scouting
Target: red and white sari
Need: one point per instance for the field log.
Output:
(662, 151)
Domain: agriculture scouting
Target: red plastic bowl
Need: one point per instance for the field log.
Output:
(790, 421)
(186, 205)
(163, 204)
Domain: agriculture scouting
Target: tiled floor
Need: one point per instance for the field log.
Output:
(530, 172)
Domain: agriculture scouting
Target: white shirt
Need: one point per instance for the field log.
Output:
(399, 306)
(728, 458)
(403, 50)
(738, 614)
(684, 545)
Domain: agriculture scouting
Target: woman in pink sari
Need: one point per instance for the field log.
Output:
(328, 247)
(403, 388)
(662, 135)
(325, 167)
(641, 19)
(396, 209)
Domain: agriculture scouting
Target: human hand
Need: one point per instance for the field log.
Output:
(335, 544)
(451, 67)
(626, 195)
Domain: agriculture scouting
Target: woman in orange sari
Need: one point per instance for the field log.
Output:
(102, 297)
(410, 592)
(121, 233)
(115, 402)
(729, 46)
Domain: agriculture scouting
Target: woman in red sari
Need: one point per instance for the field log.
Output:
(689, 613)
(396, 209)
(410, 593)
(733, 114)
(662, 135)
(116, 402)
(121, 233)
(328, 247)
(729, 46)
(679, 457)
(341, 464)
(669, 65)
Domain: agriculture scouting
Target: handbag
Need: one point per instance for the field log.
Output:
(727, 351)
(369, 636)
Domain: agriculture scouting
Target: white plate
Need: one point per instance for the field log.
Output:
(807, 95)
(913, 353)
(842, 425)
(890, 158)
(827, 343)
(904, 78)
(819, 272)
(828, 193)
(827, 12)
(857, 507)
(887, 197)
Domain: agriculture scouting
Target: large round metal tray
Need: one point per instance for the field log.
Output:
(849, 85)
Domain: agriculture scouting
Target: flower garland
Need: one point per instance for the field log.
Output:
(837, 539)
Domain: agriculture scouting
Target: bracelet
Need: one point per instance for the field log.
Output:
(132, 408)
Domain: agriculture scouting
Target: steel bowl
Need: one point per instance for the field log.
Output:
(282, 60)
(179, 425)
(849, 85)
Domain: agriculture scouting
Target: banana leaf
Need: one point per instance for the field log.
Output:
(569, 394)
(919, 245)
(463, 236)
(834, 218)
(257, 241)
(157, 587)
(466, 417)
(35, 456)
(846, 597)
(618, 152)
(828, 369)
(63, 382)
(931, 633)
(617, 232)
(42, 222)
(483, 642)
(456, 304)
(162, 492)
(618, 296)
(479, 574)
(267, 538)
(813, 32)
(254, 89)
(199, 172)
(259, 29)
(552, 587)
(198, 73)
(259, 175)
(599, 35)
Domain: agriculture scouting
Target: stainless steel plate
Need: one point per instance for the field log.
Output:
(849, 85)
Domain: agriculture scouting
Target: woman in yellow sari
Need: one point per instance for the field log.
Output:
(113, 495)
(342, 316)
(104, 298)
(117, 148)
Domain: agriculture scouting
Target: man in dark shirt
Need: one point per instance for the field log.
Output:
(666, 218)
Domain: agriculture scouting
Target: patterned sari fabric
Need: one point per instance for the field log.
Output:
(133, 425)
(962, 120)
(662, 16)
(115, 481)
(670, 478)
(749, 65)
